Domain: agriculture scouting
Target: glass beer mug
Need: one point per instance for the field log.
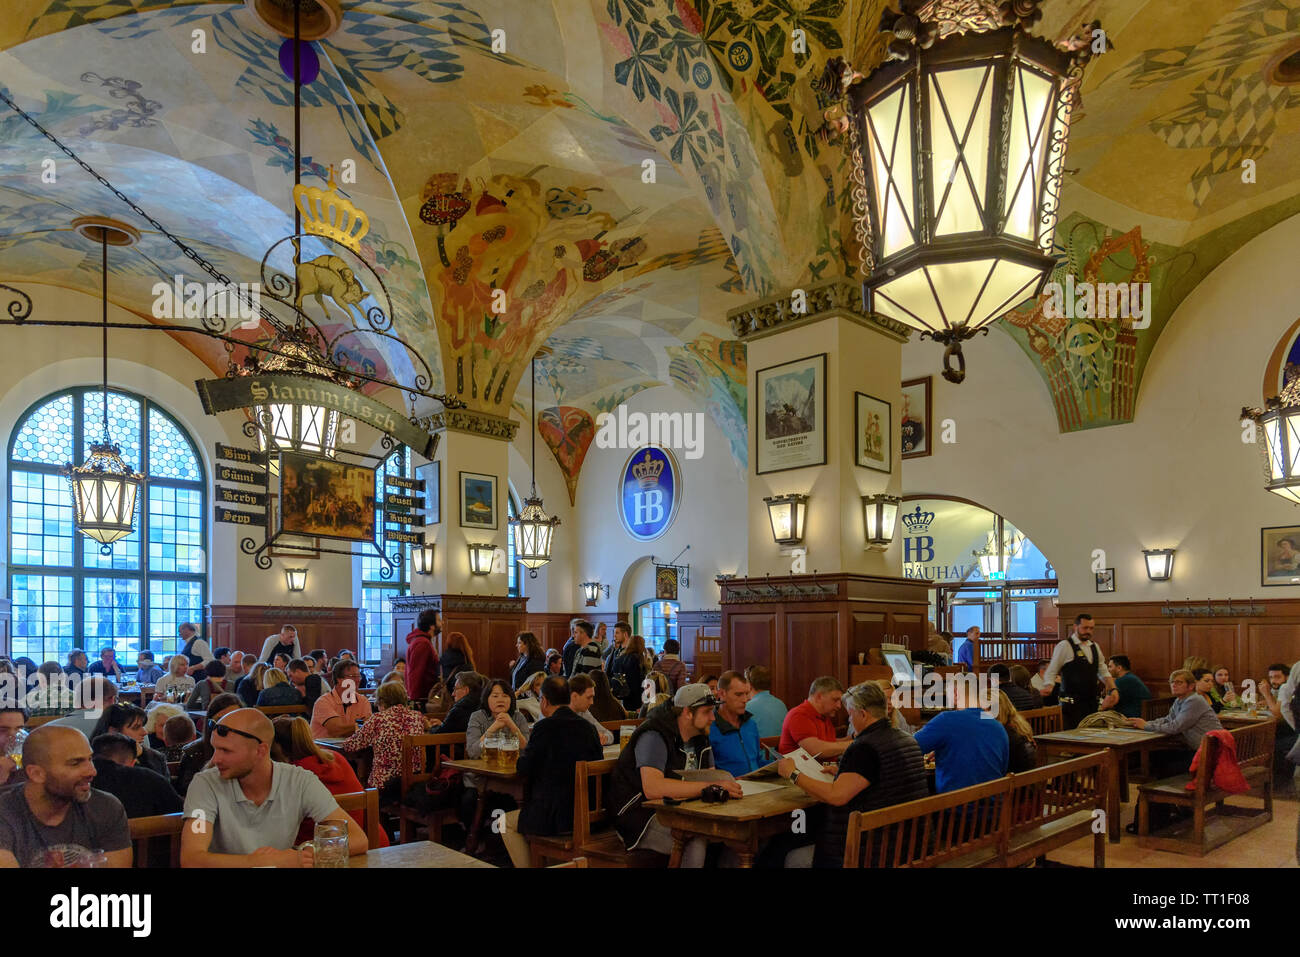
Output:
(330, 844)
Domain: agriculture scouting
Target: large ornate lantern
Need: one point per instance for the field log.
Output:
(958, 146)
(533, 530)
(1280, 422)
(291, 427)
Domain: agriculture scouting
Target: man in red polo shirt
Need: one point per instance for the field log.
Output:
(810, 725)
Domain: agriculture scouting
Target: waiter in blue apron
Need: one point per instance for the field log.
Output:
(1076, 669)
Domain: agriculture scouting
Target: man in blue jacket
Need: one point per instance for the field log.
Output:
(734, 735)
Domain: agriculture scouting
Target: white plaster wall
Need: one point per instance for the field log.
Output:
(1177, 476)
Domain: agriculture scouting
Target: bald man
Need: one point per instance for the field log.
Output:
(245, 810)
(57, 805)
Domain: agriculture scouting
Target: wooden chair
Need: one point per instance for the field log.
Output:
(146, 829)
(425, 752)
(1044, 720)
(366, 801)
(708, 656)
(588, 811)
(273, 711)
(1254, 744)
(605, 849)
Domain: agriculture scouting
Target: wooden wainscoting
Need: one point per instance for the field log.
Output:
(489, 624)
(245, 627)
(1156, 644)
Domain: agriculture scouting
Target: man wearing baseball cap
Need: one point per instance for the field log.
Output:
(673, 738)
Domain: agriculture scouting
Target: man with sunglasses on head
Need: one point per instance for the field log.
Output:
(246, 809)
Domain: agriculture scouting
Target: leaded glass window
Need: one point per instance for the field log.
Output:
(375, 589)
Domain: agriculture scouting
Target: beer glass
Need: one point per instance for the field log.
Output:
(509, 751)
(625, 735)
(492, 748)
(330, 844)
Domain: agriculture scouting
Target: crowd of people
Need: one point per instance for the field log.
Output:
(70, 785)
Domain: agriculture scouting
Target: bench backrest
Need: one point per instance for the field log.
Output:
(415, 747)
(1057, 790)
(272, 710)
(616, 724)
(1157, 707)
(930, 831)
(367, 802)
(145, 829)
(588, 797)
(1255, 744)
(1044, 720)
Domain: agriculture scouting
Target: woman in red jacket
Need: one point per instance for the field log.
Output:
(294, 745)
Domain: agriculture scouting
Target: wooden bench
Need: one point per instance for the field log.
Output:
(588, 811)
(425, 752)
(1255, 758)
(1157, 707)
(616, 724)
(1044, 720)
(146, 829)
(274, 711)
(367, 802)
(1006, 822)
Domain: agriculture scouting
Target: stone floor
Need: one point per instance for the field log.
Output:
(1273, 845)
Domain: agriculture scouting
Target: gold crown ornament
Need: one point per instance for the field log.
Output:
(329, 214)
(646, 472)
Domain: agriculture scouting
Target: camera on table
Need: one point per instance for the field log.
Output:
(715, 794)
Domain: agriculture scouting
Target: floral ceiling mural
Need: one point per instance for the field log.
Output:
(618, 177)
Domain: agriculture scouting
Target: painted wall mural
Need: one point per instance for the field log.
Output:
(567, 432)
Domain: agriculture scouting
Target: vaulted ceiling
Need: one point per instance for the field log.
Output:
(615, 177)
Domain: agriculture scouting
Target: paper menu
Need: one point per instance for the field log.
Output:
(806, 764)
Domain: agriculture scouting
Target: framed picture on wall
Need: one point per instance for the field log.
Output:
(790, 415)
(1106, 580)
(915, 430)
(478, 500)
(1279, 555)
(873, 428)
(287, 546)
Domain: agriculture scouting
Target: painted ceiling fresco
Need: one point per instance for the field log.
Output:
(512, 200)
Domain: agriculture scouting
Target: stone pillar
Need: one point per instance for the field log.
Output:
(863, 354)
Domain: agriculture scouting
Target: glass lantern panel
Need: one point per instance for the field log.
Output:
(890, 136)
(1032, 100)
(1273, 443)
(1292, 445)
(960, 109)
(1009, 284)
(909, 299)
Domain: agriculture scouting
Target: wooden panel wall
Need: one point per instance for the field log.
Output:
(1156, 644)
(245, 627)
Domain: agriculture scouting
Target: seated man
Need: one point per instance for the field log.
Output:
(1277, 691)
(881, 767)
(1188, 720)
(93, 697)
(309, 685)
(143, 792)
(337, 714)
(969, 746)
(810, 724)
(57, 805)
(582, 695)
(1023, 700)
(1130, 690)
(557, 743)
(674, 738)
(246, 809)
(768, 710)
(107, 665)
(734, 735)
(13, 721)
(465, 693)
(147, 671)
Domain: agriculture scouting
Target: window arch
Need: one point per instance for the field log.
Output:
(514, 572)
(66, 594)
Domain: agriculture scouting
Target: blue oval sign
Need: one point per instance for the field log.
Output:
(649, 492)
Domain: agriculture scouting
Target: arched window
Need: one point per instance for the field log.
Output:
(656, 621)
(514, 573)
(375, 589)
(66, 594)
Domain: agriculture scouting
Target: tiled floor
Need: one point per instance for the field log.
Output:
(1273, 845)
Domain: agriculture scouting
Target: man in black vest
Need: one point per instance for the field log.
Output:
(1078, 665)
(882, 767)
(196, 650)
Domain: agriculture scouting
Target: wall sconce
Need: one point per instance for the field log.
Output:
(787, 513)
(480, 558)
(422, 558)
(592, 591)
(880, 515)
(295, 578)
(1160, 563)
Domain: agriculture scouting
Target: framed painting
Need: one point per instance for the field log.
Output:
(915, 430)
(1279, 555)
(326, 498)
(791, 415)
(873, 428)
(283, 546)
(1106, 580)
(478, 500)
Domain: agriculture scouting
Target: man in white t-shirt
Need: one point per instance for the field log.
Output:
(1076, 667)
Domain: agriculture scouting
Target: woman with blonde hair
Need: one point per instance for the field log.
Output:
(528, 696)
(277, 690)
(1022, 755)
(253, 684)
(176, 678)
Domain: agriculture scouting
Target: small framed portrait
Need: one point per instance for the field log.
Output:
(478, 500)
(1106, 580)
(873, 427)
(666, 582)
(915, 427)
(790, 415)
(1279, 555)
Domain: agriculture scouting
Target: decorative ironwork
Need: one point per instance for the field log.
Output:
(20, 306)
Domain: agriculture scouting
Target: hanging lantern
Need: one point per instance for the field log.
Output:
(533, 530)
(290, 427)
(958, 145)
(1280, 422)
(105, 492)
(880, 516)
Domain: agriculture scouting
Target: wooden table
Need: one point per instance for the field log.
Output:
(1119, 742)
(740, 824)
(1237, 719)
(360, 759)
(494, 778)
(415, 854)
